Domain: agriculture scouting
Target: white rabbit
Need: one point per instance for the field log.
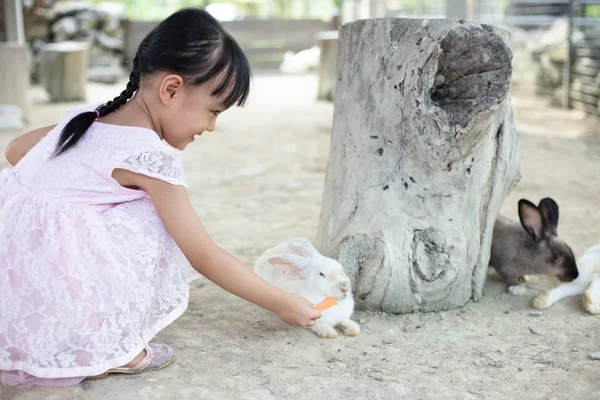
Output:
(302, 62)
(297, 267)
(587, 283)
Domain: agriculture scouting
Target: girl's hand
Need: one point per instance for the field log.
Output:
(182, 222)
(296, 310)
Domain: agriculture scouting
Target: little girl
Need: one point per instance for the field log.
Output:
(96, 224)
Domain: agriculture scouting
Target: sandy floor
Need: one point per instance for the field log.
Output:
(258, 180)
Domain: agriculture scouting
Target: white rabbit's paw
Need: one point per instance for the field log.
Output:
(542, 301)
(324, 331)
(590, 302)
(349, 327)
(517, 290)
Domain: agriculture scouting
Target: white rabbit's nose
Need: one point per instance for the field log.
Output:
(344, 287)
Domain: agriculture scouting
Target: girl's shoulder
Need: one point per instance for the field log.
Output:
(133, 148)
(122, 136)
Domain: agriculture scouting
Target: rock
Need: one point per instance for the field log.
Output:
(62, 8)
(64, 29)
(88, 21)
(100, 57)
(595, 356)
(390, 336)
(536, 313)
(110, 42)
(79, 21)
(535, 331)
(108, 75)
(110, 16)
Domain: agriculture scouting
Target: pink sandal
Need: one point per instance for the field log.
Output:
(158, 356)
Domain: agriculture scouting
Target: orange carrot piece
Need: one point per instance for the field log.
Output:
(325, 304)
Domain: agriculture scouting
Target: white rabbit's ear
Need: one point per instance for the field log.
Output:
(291, 266)
(303, 247)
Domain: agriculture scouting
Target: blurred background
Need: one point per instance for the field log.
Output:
(556, 43)
(55, 55)
(258, 180)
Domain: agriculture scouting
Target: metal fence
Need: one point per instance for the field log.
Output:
(565, 65)
(584, 73)
(567, 69)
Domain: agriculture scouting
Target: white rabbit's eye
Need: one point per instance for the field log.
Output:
(322, 274)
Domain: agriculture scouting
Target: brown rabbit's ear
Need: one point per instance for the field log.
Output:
(549, 210)
(532, 219)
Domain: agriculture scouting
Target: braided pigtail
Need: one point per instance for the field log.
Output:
(190, 43)
(76, 128)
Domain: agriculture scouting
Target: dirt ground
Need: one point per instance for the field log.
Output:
(258, 180)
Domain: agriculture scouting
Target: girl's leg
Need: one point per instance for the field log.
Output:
(136, 360)
(156, 356)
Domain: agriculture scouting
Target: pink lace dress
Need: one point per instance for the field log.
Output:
(88, 273)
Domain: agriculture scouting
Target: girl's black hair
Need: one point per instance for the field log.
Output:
(190, 43)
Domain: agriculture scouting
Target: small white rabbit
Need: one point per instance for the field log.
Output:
(587, 283)
(302, 62)
(297, 267)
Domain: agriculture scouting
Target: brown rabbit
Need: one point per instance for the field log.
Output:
(531, 247)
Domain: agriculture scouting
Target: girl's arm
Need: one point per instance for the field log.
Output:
(184, 225)
(17, 149)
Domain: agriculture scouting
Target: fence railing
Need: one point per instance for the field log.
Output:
(569, 71)
(264, 41)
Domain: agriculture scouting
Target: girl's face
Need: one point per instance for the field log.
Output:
(187, 110)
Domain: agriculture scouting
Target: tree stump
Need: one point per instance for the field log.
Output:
(63, 70)
(14, 84)
(328, 43)
(423, 154)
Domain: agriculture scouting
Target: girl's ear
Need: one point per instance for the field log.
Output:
(170, 87)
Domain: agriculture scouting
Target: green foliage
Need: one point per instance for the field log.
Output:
(592, 11)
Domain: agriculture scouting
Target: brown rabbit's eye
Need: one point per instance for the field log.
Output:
(555, 257)
(322, 274)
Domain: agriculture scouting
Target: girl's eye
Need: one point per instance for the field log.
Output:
(216, 113)
(322, 274)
